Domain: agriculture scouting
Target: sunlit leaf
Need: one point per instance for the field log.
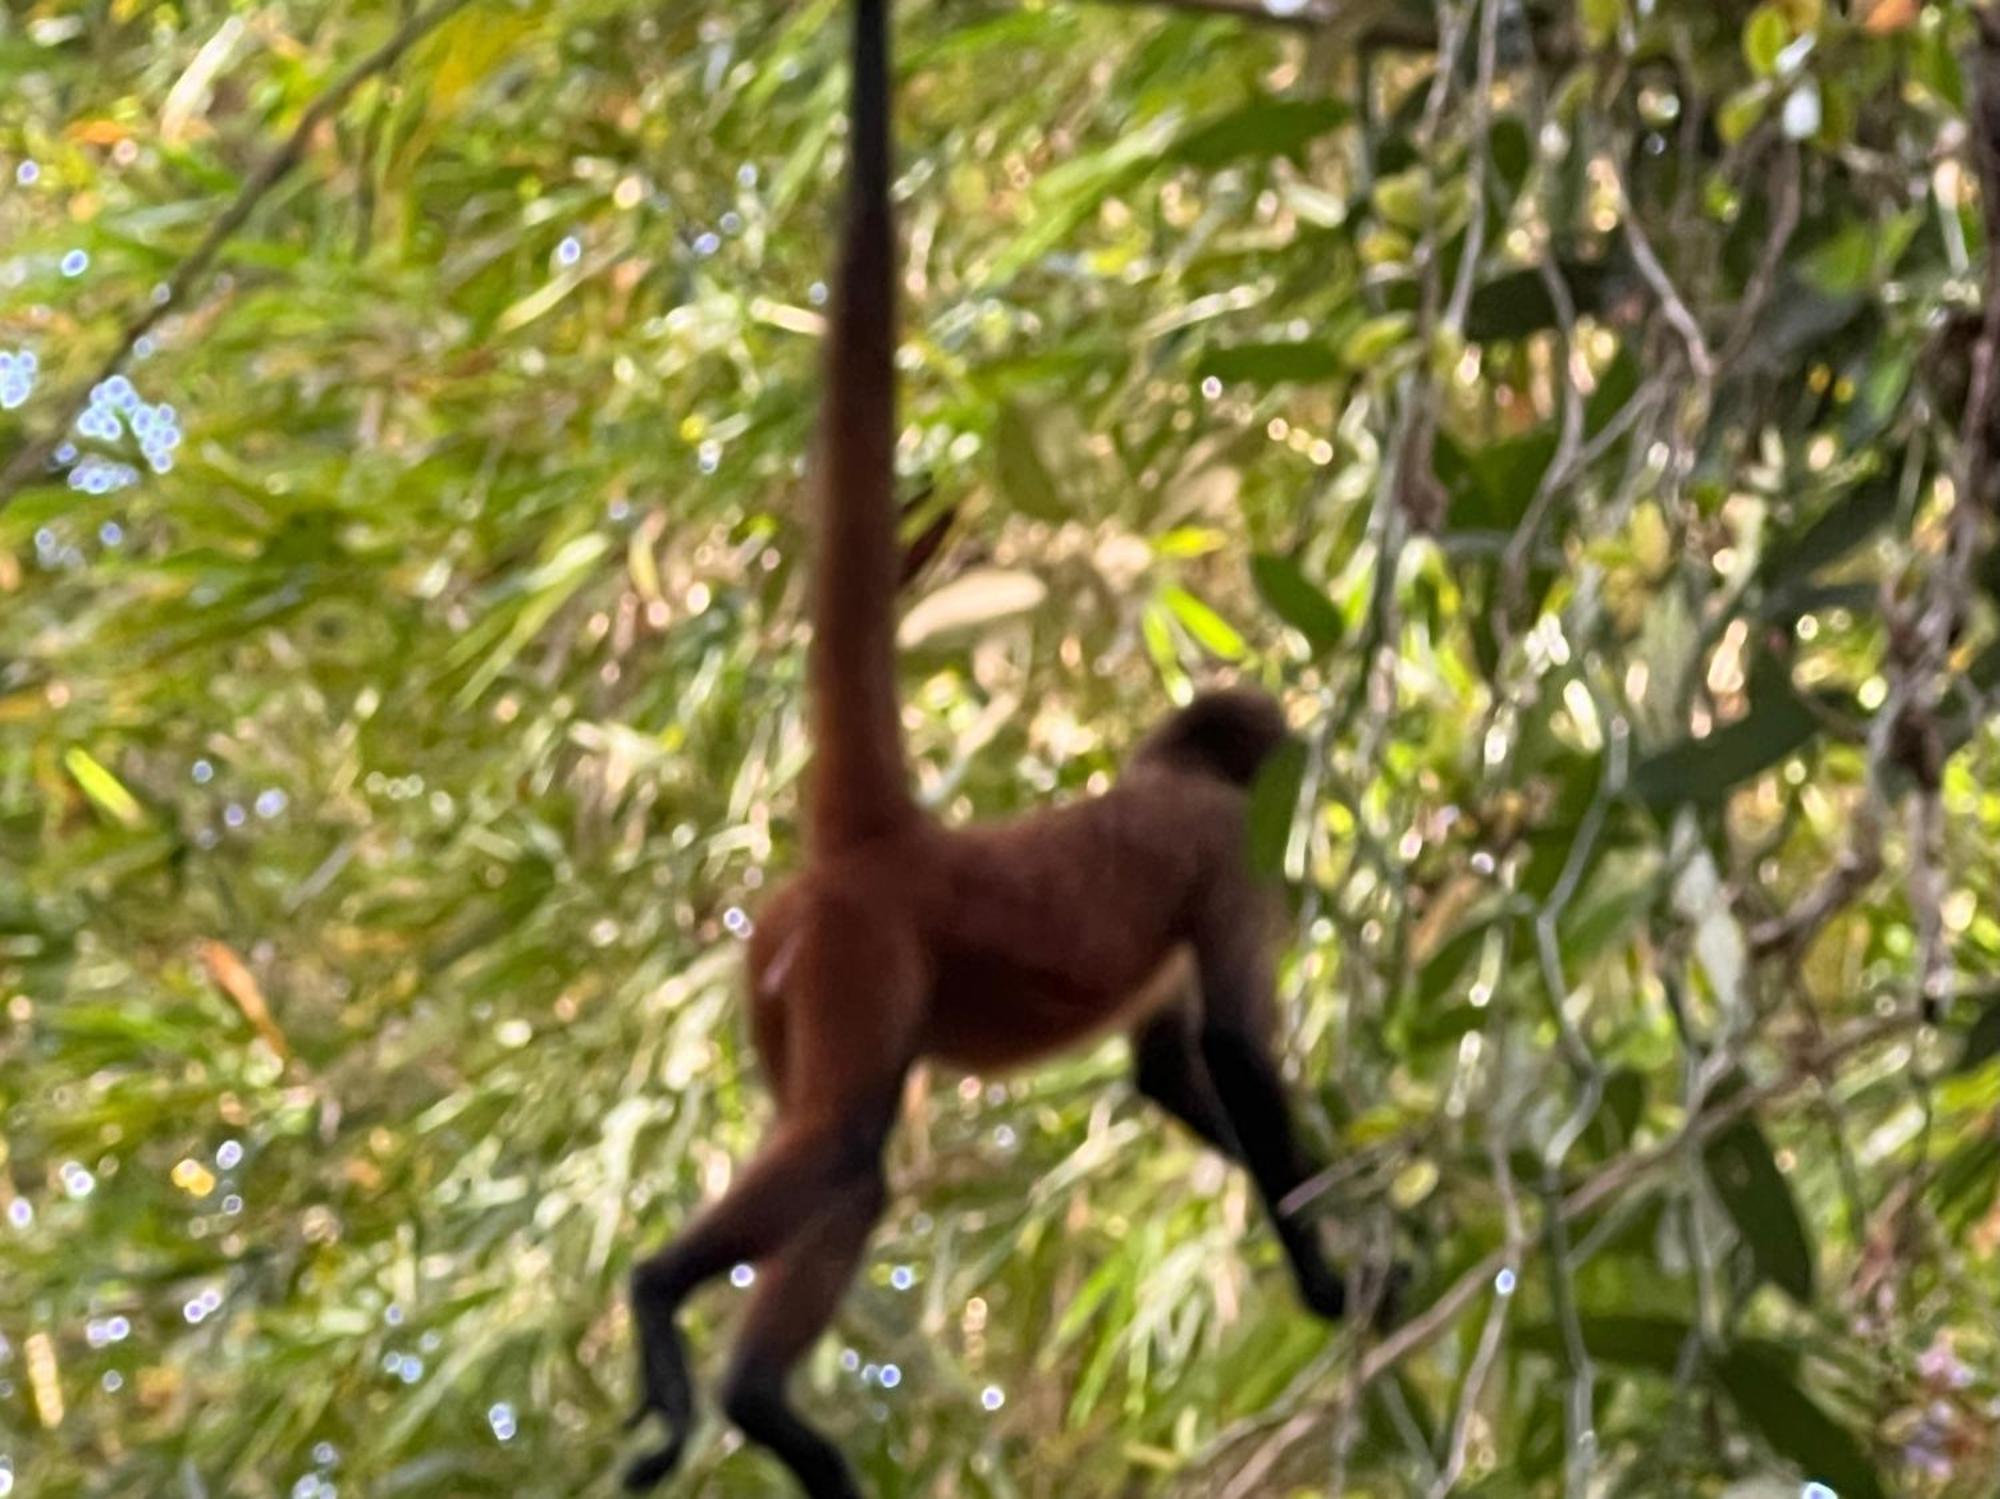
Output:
(106, 792)
(974, 600)
(1215, 633)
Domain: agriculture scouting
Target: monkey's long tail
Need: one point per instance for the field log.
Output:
(860, 784)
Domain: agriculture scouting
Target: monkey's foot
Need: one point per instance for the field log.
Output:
(665, 1392)
(1321, 1289)
(647, 1471)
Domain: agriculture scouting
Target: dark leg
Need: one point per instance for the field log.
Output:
(804, 1172)
(797, 1296)
(1238, 1017)
(1168, 1068)
(1253, 1094)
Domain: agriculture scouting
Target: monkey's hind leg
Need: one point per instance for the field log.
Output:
(797, 1296)
(1168, 1068)
(852, 999)
(805, 1170)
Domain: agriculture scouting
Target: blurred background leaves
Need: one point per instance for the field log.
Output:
(399, 712)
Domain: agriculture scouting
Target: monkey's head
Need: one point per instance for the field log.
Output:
(1228, 733)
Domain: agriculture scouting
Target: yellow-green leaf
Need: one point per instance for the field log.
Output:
(106, 792)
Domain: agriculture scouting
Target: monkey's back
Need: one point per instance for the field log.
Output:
(1039, 931)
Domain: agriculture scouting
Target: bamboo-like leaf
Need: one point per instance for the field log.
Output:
(1215, 633)
(1297, 602)
(1759, 1201)
(1025, 476)
(106, 792)
(1794, 1424)
(1274, 807)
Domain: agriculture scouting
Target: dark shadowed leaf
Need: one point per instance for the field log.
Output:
(1632, 1342)
(1844, 525)
(1703, 772)
(1273, 363)
(1268, 127)
(1025, 476)
(1517, 304)
(1512, 151)
(1759, 1201)
(1295, 600)
(1274, 803)
(1491, 487)
(1982, 1042)
(1966, 1182)
(1766, 1391)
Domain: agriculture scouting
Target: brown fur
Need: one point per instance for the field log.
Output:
(987, 947)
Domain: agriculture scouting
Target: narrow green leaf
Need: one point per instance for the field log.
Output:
(1843, 262)
(1764, 37)
(1966, 1182)
(106, 792)
(1264, 129)
(1760, 1203)
(1741, 112)
(1300, 363)
(1274, 805)
(1934, 64)
(1025, 476)
(1601, 19)
(1982, 1042)
(1630, 1342)
(1844, 525)
(1294, 599)
(1448, 965)
(1512, 151)
(1216, 634)
(1156, 628)
(1767, 1394)
(1703, 772)
(1375, 339)
(1071, 193)
(1492, 487)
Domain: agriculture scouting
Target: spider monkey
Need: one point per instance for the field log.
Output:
(984, 947)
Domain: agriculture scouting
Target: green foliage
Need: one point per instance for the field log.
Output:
(400, 719)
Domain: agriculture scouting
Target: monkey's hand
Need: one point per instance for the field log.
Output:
(653, 1468)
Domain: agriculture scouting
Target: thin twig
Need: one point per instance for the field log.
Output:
(1763, 281)
(1482, 155)
(1605, 1186)
(274, 168)
(1701, 360)
(1852, 873)
(1491, 1336)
